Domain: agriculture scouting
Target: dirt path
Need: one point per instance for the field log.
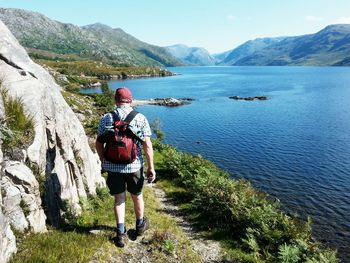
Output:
(140, 251)
(209, 250)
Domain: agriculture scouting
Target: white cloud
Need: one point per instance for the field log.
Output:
(313, 18)
(231, 17)
(343, 20)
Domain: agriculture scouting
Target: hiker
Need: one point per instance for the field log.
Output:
(121, 135)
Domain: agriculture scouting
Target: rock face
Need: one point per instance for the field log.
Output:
(21, 198)
(7, 238)
(59, 157)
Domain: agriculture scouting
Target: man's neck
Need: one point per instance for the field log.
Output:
(123, 105)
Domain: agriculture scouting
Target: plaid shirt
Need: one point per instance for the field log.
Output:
(139, 126)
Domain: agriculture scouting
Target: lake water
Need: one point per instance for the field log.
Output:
(295, 146)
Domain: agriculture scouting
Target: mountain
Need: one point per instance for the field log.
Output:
(221, 56)
(247, 49)
(330, 46)
(194, 56)
(38, 33)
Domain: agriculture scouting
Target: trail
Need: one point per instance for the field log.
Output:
(140, 250)
(209, 250)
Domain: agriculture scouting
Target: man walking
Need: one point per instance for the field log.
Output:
(118, 132)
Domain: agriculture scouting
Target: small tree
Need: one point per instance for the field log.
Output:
(156, 129)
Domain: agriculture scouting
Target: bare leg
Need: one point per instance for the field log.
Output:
(139, 205)
(119, 207)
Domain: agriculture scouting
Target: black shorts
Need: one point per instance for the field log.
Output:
(118, 182)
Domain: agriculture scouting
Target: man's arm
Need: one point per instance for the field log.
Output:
(148, 148)
(100, 143)
(99, 149)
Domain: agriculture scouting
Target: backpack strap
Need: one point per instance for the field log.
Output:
(115, 117)
(130, 116)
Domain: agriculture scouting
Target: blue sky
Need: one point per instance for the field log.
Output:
(217, 25)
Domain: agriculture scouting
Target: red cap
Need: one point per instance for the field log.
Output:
(123, 95)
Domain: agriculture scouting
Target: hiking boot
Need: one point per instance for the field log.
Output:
(121, 239)
(143, 227)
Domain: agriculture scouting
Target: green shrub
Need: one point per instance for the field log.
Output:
(289, 254)
(104, 101)
(248, 217)
(156, 129)
(91, 126)
(168, 246)
(101, 70)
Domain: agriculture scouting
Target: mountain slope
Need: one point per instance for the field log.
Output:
(98, 41)
(247, 49)
(221, 56)
(192, 55)
(108, 35)
(330, 46)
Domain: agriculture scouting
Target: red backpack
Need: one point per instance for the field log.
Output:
(121, 145)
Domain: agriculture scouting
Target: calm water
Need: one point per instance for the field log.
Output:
(295, 146)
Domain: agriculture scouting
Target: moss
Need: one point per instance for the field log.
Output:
(77, 158)
(24, 207)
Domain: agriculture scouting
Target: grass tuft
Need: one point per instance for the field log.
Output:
(18, 127)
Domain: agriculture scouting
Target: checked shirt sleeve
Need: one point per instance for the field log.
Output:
(105, 123)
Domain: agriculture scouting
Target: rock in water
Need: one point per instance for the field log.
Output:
(248, 98)
(60, 152)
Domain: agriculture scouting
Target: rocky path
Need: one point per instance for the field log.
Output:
(140, 250)
(209, 250)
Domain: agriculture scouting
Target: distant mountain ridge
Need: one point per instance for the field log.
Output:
(247, 49)
(44, 37)
(97, 41)
(328, 47)
(221, 56)
(194, 56)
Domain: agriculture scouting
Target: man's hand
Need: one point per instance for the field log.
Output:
(151, 175)
(147, 147)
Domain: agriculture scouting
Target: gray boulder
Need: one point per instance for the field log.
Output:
(21, 198)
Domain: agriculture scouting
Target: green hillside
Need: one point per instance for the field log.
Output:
(40, 34)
